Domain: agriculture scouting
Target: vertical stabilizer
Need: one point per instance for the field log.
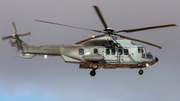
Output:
(19, 44)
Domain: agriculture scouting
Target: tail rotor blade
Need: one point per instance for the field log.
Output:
(6, 37)
(24, 34)
(15, 35)
(14, 27)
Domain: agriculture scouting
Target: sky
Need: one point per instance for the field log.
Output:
(52, 79)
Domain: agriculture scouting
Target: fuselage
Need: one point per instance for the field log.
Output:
(107, 52)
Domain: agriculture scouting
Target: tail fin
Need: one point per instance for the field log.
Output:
(22, 47)
(19, 44)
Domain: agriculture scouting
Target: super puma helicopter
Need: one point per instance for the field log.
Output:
(101, 51)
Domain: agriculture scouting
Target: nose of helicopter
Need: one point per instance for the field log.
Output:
(156, 59)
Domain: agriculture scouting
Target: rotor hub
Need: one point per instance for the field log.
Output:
(108, 31)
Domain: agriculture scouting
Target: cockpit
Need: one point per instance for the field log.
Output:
(145, 53)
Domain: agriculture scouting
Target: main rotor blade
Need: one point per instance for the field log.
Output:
(145, 28)
(125, 37)
(68, 26)
(100, 16)
(27, 33)
(14, 27)
(88, 39)
(6, 37)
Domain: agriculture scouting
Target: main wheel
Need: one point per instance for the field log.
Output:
(92, 73)
(141, 72)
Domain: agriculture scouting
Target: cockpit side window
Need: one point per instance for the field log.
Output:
(113, 51)
(81, 51)
(107, 51)
(140, 50)
(95, 51)
(126, 52)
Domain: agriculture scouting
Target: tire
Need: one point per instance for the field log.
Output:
(141, 72)
(92, 73)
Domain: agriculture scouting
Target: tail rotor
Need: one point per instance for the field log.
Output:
(15, 35)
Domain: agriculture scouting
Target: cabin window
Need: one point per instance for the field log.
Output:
(107, 51)
(95, 51)
(113, 52)
(81, 51)
(120, 51)
(126, 52)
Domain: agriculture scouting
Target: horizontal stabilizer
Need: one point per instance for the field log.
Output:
(27, 56)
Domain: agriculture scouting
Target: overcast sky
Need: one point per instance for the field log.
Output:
(52, 79)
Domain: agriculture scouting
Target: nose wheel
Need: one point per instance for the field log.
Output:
(141, 72)
(93, 73)
(94, 67)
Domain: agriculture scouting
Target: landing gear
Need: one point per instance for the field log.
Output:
(141, 72)
(94, 67)
(93, 73)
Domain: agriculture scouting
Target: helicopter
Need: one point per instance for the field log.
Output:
(101, 51)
